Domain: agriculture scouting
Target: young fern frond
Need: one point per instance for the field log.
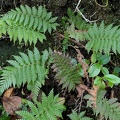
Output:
(80, 116)
(20, 32)
(30, 69)
(109, 109)
(103, 39)
(35, 18)
(78, 35)
(49, 109)
(77, 20)
(67, 73)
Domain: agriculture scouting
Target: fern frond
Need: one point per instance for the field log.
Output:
(77, 20)
(66, 72)
(30, 69)
(48, 109)
(75, 34)
(103, 39)
(109, 109)
(80, 116)
(26, 115)
(20, 33)
(35, 18)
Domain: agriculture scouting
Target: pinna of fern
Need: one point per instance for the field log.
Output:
(67, 73)
(26, 68)
(48, 109)
(80, 116)
(103, 39)
(27, 24)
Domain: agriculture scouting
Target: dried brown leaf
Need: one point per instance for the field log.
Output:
(11, 104)
(81, 89)
(80, 58)
(8, 92)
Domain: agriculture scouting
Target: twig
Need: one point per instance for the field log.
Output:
(77, 9)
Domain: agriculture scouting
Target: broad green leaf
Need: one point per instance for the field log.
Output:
(103, 59)
(99, 82)
(110, 84)
(104, 70)
(93, 58)
(112, 78)
(116, 70)
(94, 70)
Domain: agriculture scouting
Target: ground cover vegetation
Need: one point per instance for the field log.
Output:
(75, 81)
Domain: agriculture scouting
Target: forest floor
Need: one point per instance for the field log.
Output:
(7, 48)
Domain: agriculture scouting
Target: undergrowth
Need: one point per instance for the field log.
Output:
(28, 25)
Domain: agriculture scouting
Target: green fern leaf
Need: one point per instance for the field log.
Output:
(35, 18)
(21, 33)
(30, 69)
(66, 72)
(26, 115)
(108, 109)
(48, 109)
(80, 116)
(103, 39)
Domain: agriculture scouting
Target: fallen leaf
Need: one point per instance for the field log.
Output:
(61, 100)
(8, 92)
(11, 104)
(81, 89)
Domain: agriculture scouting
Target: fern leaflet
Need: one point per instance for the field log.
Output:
(80, 116)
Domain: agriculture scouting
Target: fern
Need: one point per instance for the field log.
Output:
(49, 109)
(36, 18)
(30, 69)
(27, 24)
(78, 35)
(75, 116)
(103, 39)
(66, 72)
(20, 32)
(77, 20)
(109, 109)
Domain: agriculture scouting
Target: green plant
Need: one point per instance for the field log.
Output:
(4, 115)
(108, 109)
(65, 42)
(26, 68)
(77, 20)
(27, 24)
(80, 116)
(103, 39)
(67, 73)
(76, 26)
(98, 61)
(48, 109)
(78, 35)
